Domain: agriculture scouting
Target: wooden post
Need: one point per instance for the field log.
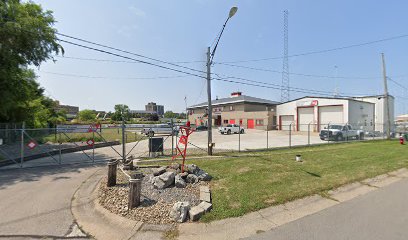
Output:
(135, 188)
(112, 168)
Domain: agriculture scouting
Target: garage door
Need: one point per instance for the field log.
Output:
(251, 123)
(330, 115)
(305, 116)
(285, 121)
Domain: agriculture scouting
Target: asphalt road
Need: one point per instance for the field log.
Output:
(35, 203)
(381, 214)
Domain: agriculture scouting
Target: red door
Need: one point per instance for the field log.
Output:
(251, 123)
(232, 121)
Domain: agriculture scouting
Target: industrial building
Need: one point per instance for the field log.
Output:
(249, 112)
(315, 113)
(381, 115)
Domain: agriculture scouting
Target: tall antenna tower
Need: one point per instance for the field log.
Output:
(285, 71)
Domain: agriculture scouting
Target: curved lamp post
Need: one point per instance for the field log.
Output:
(210, 57)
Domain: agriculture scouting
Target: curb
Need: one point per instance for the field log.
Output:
(101, 224)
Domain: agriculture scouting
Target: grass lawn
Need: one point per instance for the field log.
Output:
(248, 183)
(107, 134)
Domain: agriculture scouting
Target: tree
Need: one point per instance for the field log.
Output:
(121, 110)
(86, 115)
(26, 38)
(170, 114)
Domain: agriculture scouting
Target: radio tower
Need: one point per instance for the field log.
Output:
(285, 71)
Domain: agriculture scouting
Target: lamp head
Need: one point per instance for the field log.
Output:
(232, 12)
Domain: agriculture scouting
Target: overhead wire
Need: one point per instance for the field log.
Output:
(322, 51)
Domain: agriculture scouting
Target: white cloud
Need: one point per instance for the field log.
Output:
(137, 11)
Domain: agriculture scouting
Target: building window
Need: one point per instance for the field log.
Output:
(231, 108)
(259, 122)
(225, 121)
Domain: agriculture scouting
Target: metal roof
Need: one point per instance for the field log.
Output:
(238, 99)
(338, 98)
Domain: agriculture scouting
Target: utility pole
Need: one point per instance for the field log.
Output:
(386, 97)
(209, 123)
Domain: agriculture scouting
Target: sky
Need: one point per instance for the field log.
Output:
(181, 30)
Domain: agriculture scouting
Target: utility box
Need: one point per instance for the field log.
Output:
(156, 144)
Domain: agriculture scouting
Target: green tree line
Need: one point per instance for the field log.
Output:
(27, 39)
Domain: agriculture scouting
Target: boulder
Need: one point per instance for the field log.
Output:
(175, 166)
(191, 178)
(158, 183)
(180, 211)
(164, 180)
(184, 175)
(191, 168)
(203, 176)
(179, 182)
(159, 171)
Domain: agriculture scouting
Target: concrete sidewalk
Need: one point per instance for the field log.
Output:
(380, 214)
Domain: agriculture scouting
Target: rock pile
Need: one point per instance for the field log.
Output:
(165, 177)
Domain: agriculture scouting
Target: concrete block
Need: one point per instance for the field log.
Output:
(205, 196)
(206, 206)
(195, 213)
(204, 189)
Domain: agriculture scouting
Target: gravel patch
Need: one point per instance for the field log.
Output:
(155, 203)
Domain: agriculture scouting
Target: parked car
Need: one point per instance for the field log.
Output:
(339, 133)
(160, 129)
(231, 128)
(201, 128)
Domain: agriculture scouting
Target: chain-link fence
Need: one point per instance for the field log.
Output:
(20, 147)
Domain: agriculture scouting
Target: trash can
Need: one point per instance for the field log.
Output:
(405, 135)
(156, 144)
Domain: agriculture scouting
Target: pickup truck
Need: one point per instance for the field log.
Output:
(231, 128)
(165, 129)
(339, 133)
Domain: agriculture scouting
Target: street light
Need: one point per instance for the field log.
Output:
(210, 57)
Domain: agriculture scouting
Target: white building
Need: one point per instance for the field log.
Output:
(381, 118)
(315, 113)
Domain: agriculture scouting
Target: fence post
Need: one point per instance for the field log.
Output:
(267, 138)
(59, 148)
(22, 145)
(308, 134)
(328, 133)
(239, 138)
(172, 137)
(290, 135)
(112, 168)
(135, 188)
(123, 141)
(93, 145)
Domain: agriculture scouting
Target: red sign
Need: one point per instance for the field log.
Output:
(90, 142)
(314, 103)
(31, 144)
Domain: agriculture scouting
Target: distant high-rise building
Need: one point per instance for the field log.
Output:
(153, 107)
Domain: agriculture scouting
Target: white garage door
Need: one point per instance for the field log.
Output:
(330, 115)
(306, 116)
(286, 120)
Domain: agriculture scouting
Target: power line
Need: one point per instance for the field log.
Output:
(103, 77)
(180, 71)
(397, 83)
(129, 58)
(292, 73)
(128, 52)
(323, 51)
